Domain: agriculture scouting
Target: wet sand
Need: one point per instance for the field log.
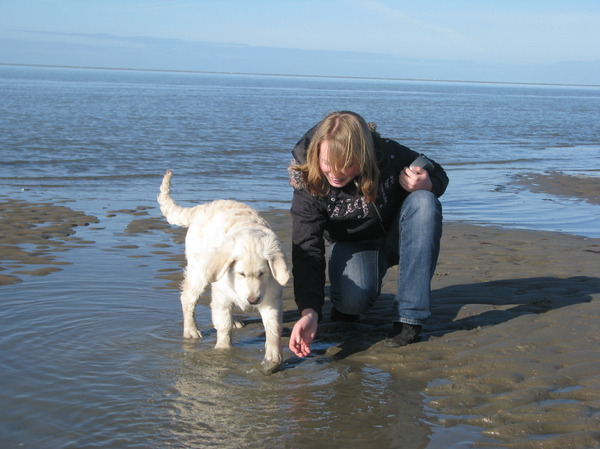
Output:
(513, 344)
(33, 235)
(556, 183)
(511, 353)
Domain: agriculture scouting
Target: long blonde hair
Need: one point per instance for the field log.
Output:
(350, 143)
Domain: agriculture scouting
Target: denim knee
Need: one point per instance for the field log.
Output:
(421, 206)
(354, 276)
(353, 301)
(419, 217)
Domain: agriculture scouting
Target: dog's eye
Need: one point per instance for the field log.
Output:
(242, 275)
(260, 274)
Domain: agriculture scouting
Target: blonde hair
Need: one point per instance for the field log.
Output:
(350, 143)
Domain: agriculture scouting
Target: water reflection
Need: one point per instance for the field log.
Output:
(224, 400)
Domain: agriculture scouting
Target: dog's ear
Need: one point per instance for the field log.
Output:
(219, 263)
(279, 269)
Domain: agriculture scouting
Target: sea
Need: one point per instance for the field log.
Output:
(97, 135)
(91, 356)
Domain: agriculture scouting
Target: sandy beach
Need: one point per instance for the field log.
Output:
(512, 348)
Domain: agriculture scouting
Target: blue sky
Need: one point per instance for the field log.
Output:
(536, 41)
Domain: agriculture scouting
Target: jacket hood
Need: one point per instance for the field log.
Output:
(299, 153)
(301, 147)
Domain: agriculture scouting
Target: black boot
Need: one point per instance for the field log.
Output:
(403, 334)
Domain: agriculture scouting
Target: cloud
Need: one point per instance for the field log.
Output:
(95, 39)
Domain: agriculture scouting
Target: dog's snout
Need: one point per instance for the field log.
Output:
(254, 299)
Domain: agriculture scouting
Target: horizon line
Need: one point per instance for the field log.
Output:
(212, 72)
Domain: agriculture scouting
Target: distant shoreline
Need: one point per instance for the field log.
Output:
(209, 72)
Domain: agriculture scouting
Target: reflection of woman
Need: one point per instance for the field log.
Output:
(355, 188)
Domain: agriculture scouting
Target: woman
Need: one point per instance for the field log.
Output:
(356, 190)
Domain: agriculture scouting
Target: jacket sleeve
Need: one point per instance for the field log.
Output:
(308, 251)
(404, 156)
(439, 179)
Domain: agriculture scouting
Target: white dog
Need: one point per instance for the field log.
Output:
(229, 246)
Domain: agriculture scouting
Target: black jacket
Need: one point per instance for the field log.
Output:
(342, 215)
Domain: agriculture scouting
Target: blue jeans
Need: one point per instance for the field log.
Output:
(356, 269)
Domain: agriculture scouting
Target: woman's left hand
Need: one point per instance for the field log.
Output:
(414, 179)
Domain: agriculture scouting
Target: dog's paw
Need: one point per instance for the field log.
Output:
(192, 333)
(223, 345)
(270, 366)
(272, 361)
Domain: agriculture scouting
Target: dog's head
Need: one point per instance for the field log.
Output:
(251, 260)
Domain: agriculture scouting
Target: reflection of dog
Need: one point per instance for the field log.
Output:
(231, 247)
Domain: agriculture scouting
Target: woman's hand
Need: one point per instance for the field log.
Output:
(416, 178)
(304, 332)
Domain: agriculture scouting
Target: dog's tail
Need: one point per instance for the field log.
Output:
(176, 215)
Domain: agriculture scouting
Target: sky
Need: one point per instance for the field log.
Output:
(549, 41)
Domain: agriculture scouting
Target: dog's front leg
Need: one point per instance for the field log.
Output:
(190, 293)
(221, 316)
(272, 321)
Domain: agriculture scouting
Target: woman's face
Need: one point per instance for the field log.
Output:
(336, 179)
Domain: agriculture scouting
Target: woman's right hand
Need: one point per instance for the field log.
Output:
(304, 332)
